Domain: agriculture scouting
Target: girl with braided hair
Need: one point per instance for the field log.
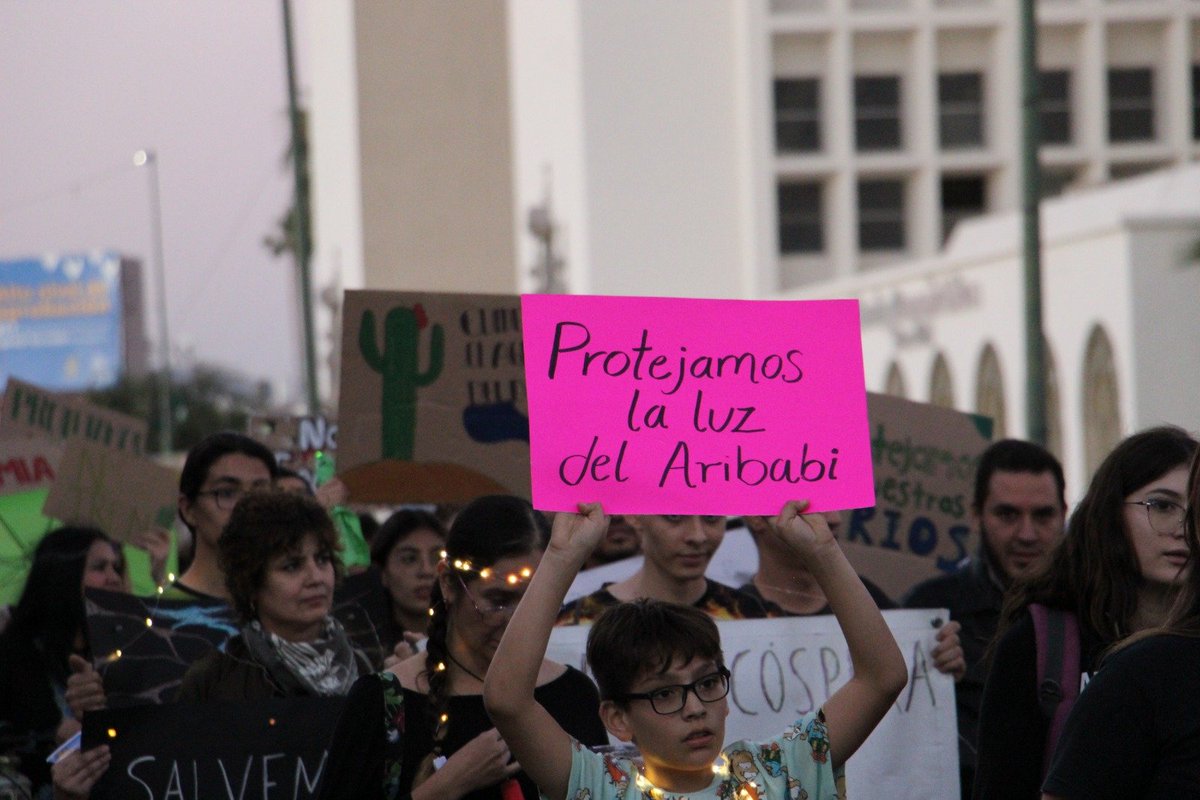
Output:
(420, 730)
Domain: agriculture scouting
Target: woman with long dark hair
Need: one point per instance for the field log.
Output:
(1116, 571)
(48, 628)
(406, 550)
(1135, 732)
(421, 728)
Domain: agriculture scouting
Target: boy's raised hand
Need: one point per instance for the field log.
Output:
(807, 534)
(576, 535)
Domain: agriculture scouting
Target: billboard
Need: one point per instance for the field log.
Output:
(60, 320)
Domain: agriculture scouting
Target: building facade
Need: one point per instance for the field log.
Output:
(768, 148)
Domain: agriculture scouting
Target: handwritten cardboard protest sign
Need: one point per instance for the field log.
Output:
(660, 405)
(118, 492)
(250, 751)
(925, 459)
(144, 645)
(295, 441)
(31, 410)
(783, 668)
(432, 403)
(27, 463)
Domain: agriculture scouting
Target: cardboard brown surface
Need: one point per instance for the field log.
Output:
(119, 493)
(27, 463)
(925, 458)
(31, 410)
(435, 381)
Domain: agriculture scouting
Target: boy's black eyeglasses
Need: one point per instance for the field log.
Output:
(669, 699)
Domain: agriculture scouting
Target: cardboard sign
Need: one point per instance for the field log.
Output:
(120, 493)
(295, 441)
(925, 459)
(674, 406)
(27, 463)
(144, 645)
(782, 668)
(432, 405)
(250, 751)
(31, 410)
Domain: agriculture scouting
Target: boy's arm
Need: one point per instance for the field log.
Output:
(537, 741)
(879, 671)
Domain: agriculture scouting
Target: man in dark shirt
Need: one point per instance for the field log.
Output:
(676, 549)
(1019, 506)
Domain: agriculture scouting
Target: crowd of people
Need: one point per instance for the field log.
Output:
(1069, 641)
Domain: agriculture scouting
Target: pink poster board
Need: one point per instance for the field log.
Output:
(686, 406)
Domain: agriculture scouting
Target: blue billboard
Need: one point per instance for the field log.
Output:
(60, 321)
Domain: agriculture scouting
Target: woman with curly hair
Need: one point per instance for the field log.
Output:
(1115, 572)
(420, 729)
(279, 555)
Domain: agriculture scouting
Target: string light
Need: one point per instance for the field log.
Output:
(441, 667)
(486, 573)
(149, 622)
(112, 733)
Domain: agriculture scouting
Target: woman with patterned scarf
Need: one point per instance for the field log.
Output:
(279, 553)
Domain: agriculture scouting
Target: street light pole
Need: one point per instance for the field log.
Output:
(1035, 357)
(148, 158)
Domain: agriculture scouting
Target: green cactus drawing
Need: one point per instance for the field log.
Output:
(397, 364)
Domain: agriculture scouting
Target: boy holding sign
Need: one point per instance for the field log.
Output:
(663, 681)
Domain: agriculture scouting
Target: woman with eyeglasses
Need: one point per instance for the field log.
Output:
(420, 729)
(1115, 572)
(46, 637)
(1135, 732)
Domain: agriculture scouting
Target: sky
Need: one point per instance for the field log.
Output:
(83, 86)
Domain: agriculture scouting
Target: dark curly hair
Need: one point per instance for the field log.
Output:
(262, 526)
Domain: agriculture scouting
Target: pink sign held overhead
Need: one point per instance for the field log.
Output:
(682, 406)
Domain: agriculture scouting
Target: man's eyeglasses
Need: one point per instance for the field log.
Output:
(226, 497)
(489, 611)
(1165, 516)
(669, 699)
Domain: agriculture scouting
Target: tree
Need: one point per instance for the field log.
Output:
(206, 400)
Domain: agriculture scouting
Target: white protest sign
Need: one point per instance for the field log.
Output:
(786, 667)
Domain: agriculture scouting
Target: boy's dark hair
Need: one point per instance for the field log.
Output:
(206, 452)
(261, 526)
(1016, 455)
(647, 636)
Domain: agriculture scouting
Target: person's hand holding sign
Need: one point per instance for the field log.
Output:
(574, 536)
(85, 689)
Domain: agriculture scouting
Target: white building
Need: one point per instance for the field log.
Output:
(755, 148)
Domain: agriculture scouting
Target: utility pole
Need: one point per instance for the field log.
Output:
(302, 236)
(1035, 358)
(166, 437)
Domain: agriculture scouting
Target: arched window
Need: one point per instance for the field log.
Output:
(941, 386)
(1101, 408)
(894, 384)
(989, 392)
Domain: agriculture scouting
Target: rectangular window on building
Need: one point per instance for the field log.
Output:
(960, 109)
(1054, 106)
(797, 115)
(1131, 104)
(877, 112)
(963, 196)
(881, 214)
(800, 215)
